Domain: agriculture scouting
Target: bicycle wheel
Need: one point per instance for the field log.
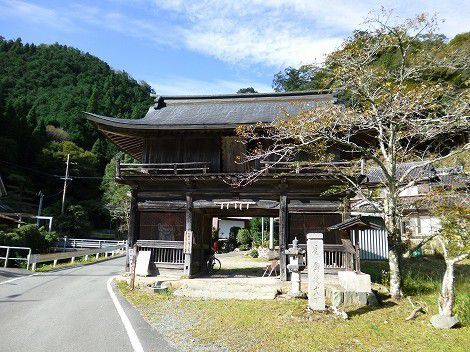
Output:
(216, 265)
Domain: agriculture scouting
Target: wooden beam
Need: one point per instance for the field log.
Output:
(283, 232)
(188, 232)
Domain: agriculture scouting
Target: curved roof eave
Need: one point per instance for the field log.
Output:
(142, 125)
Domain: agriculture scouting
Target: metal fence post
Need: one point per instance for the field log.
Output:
(6, 258)
(29, 258)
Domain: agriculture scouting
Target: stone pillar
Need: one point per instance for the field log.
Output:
(316, 271)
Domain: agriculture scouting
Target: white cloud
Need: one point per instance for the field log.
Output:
(182, 86)
(279, 33)
(274, 33)
(35, 14)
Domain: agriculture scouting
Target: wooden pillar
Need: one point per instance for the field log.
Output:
(358, 252)
(346, 209)
(133, 225)
(283, 233)
(188, 234)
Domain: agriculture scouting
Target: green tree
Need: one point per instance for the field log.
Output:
(454, 237)
(306, 77)
(248, 90)
(116, 197)
(392, 113)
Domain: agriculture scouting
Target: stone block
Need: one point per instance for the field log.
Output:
(372, 299)
(336, 298)
(443, 322)
(351, 281)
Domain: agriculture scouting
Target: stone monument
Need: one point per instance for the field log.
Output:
(316, 271)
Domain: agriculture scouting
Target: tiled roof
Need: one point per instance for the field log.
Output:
(425, 172)
(218, 111)
(357, 222)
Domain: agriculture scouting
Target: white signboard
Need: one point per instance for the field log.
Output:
(188, 242)
(143, 261)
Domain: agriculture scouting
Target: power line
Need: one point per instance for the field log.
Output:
(30, 169)
(56, 176)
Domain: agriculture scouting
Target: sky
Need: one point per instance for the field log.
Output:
(207, 46)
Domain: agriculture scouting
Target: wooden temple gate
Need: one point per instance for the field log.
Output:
(188, 163)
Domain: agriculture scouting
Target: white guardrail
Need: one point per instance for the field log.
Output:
(34, 259)
(9, 249)
(54, 257)
(65, 242)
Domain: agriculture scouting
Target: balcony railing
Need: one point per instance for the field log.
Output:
(124, 169)
(203, 167)
(302, 167)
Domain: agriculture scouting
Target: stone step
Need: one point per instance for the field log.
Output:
(230, 288)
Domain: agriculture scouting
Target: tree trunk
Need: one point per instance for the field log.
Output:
(395, 250)
(395, 264)
(446, 298)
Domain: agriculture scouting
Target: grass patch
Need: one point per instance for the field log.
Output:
(422, 278)
(285, 325)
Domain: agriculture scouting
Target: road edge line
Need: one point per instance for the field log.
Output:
(134, 339)
(16, 278)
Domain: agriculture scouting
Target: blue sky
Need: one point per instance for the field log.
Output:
(206, 46)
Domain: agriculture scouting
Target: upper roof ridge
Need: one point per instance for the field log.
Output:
(242, 95)
(162, 101)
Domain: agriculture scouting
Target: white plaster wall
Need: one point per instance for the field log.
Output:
(225, 225)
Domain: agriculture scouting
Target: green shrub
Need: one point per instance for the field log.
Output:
(244, 237)
(254, 253)
(36, 238)
(244, 247)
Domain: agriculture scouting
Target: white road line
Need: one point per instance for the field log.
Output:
(136, 345)
(16, 278)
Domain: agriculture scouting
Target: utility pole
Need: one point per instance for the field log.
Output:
(66, 178)
(41, 196)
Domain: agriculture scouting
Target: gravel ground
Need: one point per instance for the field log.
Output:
(172, 317)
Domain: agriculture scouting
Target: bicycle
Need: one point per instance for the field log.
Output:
(213, 264)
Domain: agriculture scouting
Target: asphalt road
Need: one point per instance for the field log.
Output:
(70, 310)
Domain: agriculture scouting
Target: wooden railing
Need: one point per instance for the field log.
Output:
(203, 167)
(164, 253)
(336, 257)
(303, 167)
(124, 169)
